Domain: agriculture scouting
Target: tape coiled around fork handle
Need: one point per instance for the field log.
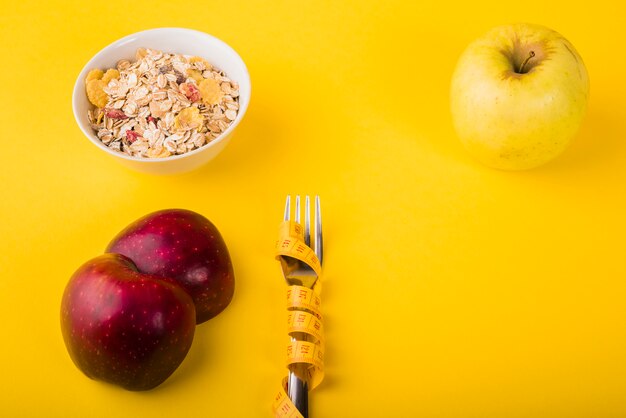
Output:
(303, 317)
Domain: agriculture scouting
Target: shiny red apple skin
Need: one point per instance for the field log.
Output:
(125, 327)
(187, 247)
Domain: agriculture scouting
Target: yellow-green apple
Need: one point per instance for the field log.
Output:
(518, 96)
(125, 327)
(184, 246)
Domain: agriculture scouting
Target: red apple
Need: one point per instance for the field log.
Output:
(187, 247)
(125, 327)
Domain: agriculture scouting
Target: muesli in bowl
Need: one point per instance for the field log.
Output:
(160, 105)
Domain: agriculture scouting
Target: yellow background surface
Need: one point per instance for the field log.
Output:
(451, 289)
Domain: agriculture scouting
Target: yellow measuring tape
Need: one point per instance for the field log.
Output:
(303, 317)
(291, 244)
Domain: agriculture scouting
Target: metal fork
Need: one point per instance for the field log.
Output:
(299, 273)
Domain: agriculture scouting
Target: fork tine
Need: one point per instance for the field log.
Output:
(297, 214)
(319, 244)
(287, 207)
(307, 221)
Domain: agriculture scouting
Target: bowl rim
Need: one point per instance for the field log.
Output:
(88, 132)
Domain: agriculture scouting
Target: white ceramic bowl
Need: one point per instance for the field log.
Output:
(172, 40)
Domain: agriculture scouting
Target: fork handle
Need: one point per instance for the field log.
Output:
(298, 391)
(297, 385)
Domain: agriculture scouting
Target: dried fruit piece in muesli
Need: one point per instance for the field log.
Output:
(110, 75)
(95, 74)
(114, 113)
(188, 118)
(131, 136)
(190, 91)
(211, 91)
(195, 74)
(180, 77)
(96, 94)
(165, 69)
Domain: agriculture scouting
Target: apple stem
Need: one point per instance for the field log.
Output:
(531, 54)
